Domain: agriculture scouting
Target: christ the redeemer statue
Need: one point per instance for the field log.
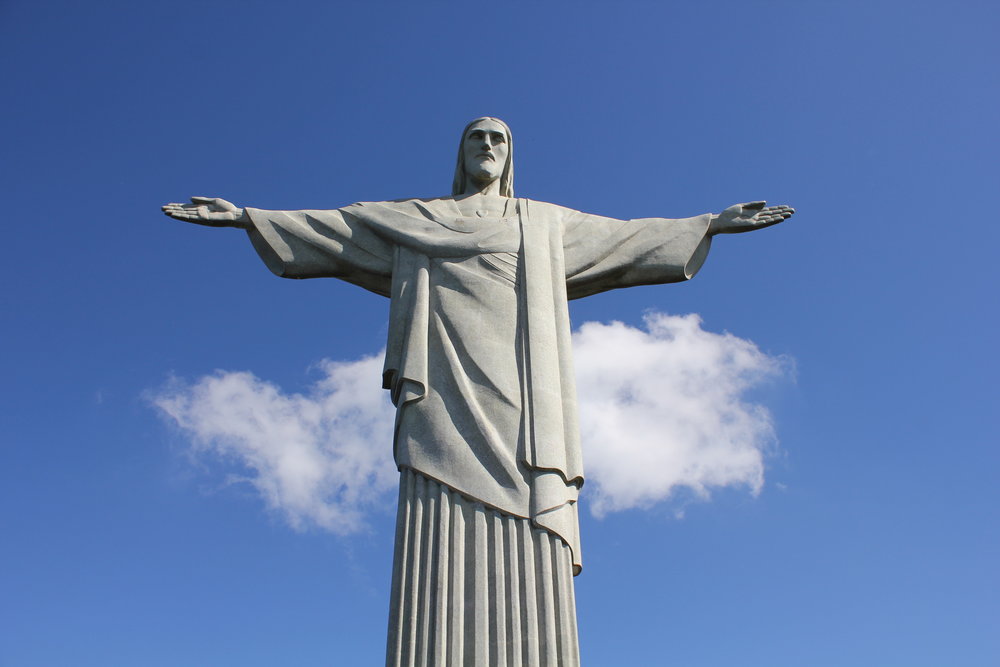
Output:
(478, 364)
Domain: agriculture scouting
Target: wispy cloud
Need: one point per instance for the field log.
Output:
(662, 408)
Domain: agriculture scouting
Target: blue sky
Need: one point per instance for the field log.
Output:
(873, 540)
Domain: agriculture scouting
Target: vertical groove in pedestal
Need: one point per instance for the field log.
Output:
(473, 586)
(428, 567)
(498, 590)
(547, 608)
(513, 591)
(457, 611)
(529, 589)
(480, 602)
(444, 565)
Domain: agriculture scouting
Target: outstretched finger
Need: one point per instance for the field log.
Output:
(177, 211)
(766, 219)
(203, 200)
(780, 211)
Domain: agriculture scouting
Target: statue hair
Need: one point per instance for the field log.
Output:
(506, 177)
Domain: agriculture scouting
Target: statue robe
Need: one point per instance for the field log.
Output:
(478, 358)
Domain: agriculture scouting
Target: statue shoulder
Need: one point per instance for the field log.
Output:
(410, 204)
(548, 209)
(429, 208)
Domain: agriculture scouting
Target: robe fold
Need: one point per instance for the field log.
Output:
(478, 358)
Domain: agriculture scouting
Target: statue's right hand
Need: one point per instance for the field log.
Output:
(210, 211)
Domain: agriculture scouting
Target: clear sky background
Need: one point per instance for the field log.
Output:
(872, 539)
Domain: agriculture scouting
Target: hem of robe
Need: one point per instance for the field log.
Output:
(552, 506)
(472, 585)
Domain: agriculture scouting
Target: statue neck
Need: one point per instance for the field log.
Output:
(482, 205)
(474, 187)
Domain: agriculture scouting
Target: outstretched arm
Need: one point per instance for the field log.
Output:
(748, 217)
(209, 211)
(302, 244)
(603, 254)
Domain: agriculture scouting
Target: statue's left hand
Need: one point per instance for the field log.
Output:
(748, 217)
(209, 211)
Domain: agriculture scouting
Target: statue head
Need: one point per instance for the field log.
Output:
(481, 137)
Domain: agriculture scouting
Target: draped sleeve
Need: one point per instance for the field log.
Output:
(604, 253)
(323, 244)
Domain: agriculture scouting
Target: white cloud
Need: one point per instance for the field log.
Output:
(319, 459)
(661, 409)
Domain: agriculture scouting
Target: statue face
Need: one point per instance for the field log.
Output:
(485, 150)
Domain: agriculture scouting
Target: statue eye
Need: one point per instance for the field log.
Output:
(498, 138)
